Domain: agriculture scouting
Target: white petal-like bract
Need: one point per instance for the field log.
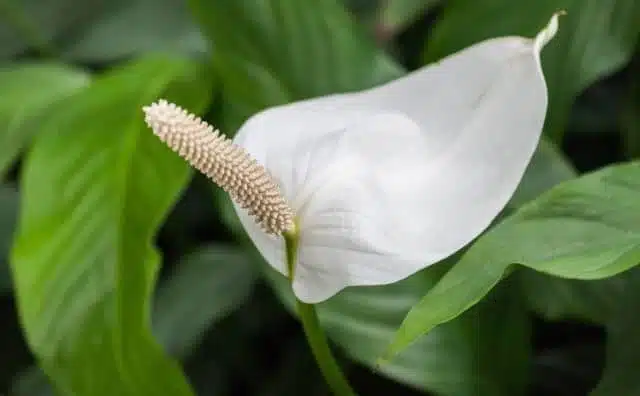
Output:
(390, 180)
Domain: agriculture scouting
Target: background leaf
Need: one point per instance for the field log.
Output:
(207, 285)
(135, 27)
(596, 38)
(469, 356)
(28, 92)
(621, 375)
(287, 51)
(587, 228)
(97, 31)
(396, 15)
(95, 189)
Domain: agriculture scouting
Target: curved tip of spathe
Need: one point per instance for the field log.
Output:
(549, 31)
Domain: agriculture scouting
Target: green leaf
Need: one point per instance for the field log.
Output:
(96, 187)
(97, 31)
(36, 24)
(287, 51)
(620, 377)
(135, 27)
(9, 199)
(551, 297)
(398, 14)
(563, 299)
(483, 352)
(28, 93)
(596, 38)
(206, 286)
(195, 296)
(587, 228)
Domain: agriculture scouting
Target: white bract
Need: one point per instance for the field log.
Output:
(390, 180)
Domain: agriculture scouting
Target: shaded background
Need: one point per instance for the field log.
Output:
(216, 310)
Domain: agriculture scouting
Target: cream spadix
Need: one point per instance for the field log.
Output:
(387, 181)
(228, 165)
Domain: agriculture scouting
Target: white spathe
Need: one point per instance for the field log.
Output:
(387, 181)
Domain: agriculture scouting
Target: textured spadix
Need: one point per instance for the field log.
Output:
(227, 164)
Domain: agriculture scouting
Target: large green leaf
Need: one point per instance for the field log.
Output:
(288, 50)
(587, 228)
(96, 187)
(28, 92)
(207, 285)
(483, 352)
(620, 376)
(596, 38)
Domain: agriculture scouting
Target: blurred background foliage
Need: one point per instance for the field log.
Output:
(86, 194)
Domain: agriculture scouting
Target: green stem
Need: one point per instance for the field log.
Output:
(315, 336)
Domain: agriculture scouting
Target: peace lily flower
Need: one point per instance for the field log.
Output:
(379, 184)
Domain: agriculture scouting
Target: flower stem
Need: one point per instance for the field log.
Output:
(315, 336)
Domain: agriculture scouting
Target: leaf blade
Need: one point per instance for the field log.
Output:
(83, 261)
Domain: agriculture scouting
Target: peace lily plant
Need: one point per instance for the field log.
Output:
(370, 187)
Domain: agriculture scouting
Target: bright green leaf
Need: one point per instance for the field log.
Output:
(483, 352)
(288, 50)
(96, 187)
(29, 91)
(620, 376)
(206, 286)
(587, 228)
(596, 38)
